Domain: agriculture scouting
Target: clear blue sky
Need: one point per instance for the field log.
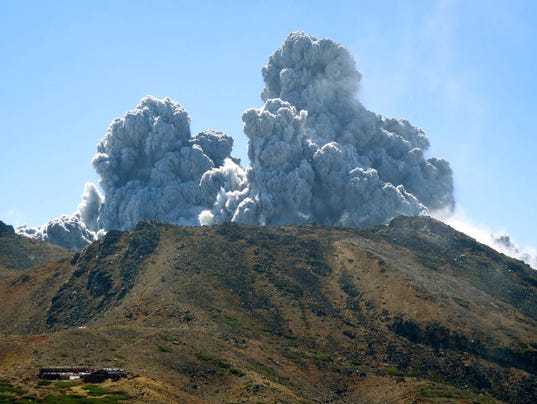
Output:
(463, 71)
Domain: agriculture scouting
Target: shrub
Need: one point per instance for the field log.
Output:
(237, 372)
(394, 372)
(67, 384)
(232, 321)
(94, 390)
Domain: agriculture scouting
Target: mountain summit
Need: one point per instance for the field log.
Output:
(410, 312)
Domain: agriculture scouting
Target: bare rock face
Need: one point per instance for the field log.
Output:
(104, 273)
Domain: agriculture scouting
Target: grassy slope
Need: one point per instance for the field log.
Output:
(299, 313)
(18, 252)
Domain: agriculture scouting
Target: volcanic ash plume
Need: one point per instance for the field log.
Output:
(317, 155)
(151, 167)
(73, 231)
(502, 242)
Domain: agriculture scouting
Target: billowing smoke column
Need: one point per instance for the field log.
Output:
(151, 167)
(503, 243)
(72, 231)
(316, 155)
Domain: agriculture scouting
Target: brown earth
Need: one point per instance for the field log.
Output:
(410, 312)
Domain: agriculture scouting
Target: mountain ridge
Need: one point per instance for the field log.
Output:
(18, 252)
(305, 313)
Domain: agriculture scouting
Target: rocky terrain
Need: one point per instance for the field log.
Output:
(410, 312)
(18, 252)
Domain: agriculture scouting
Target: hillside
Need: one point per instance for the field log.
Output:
(410, 312)
(18, 252)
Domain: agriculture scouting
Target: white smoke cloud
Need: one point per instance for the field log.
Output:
(231, 181)
(88, 209)
(500, 241)
(316, 155)
(151, 167)
(280, 178)
(73, 231)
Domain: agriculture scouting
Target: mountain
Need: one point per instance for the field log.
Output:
(18, 252)
(410, 312)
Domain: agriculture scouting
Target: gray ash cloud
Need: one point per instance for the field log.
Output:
(317, 155)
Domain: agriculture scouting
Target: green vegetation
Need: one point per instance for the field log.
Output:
(188, 317)
(237, 372)
(394, 372)
(94, 390)
(67, 399)
(7, 398)
(7, 387)
(9, 393)
(163, 348)
(293, 289)
(96, 394)
(259, 268)
(232, 321)
(67, 384)
(347, 285)
(204, 357)
(436, 392)
(291, 355)
(222, 364)
(79, 399)
(218, 362)
(454, 394)
(461, 302)
(271, 373)
(522, 345)
(317, 357)
(414, 372)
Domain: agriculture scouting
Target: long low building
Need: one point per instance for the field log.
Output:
(89, 374)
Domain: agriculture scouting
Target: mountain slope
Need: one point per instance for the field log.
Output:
(413, 311)
(18, 252)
